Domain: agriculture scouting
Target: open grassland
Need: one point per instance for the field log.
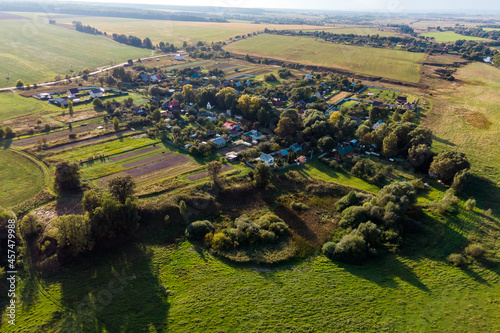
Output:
(392, 64)
(20, 178)
(180, 287)
(177, 32)
(450, 36)
(466, 117)
(35, 51)
(13, 105)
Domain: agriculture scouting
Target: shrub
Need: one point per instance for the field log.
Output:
(30, 226)
(74, 232)
(267, 236)
(279, 228)
(298, 206)
(418, 184)
(197, 230)
(369, 231)
(353, 216)
(475, 250)
(221, 242)
(470, 204)
(457, 259)
(446, 205)
(351, 248)
(329, 249)
(351, 199)
(67, 177)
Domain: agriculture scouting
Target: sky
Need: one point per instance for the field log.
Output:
(389, 6)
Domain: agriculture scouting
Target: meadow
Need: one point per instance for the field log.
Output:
(450, 36)
(35, 51)
(177, 32)
(21, 178)
(360, 30)
(14, 106)
(392, 64)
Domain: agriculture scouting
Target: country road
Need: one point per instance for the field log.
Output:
(99, 70)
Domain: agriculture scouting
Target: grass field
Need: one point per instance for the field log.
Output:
(20, 178)
(36, 52)
(177, 32)
(160, 287)
(361, 30)
(450, 36)
(466, 117)
(392, 64)
(13, 106)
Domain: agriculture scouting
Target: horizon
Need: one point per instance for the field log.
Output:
(392, 7)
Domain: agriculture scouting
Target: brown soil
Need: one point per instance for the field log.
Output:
(134, 153)
(155, 166)
(148, 160)
(52, 136)
(86, 141)
(204, 174)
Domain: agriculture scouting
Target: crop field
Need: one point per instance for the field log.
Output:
(35, 51)
(177, 32)
(450, 36)
(21, 179)
(392, 64)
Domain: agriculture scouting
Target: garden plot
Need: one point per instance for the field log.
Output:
(148, 160)
(134, 153)
(204, 174)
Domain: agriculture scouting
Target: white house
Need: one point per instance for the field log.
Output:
(267, 159)
(219, 142)
(179, 57)
(96, 93)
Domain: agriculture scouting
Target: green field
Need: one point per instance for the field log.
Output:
(20, 178)
(361, 30)
(13, 106)
(179, 287)
(392, 64)
(177, 32)
(450, 36)
(35, 52)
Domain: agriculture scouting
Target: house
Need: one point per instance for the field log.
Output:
(377, 124)
(254, 134)
(231, 126)
(96, 93)
(210, 105)
(174, 105)
(197, 69)
(179, 57)
(72, 92)
(379, 104)
(267, 159)
(301, 159)
(278, 102)
(143, 77)
(232, 156)
(296, 147)
(401, 100)
(59, 101)
(343, 152)
(283, 154)
(219, 142)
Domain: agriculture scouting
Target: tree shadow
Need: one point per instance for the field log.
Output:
(125, 297)
(486, 193)
(443, 141)
(384, 272)
(6, 143)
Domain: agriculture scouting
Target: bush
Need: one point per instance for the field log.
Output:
(197, 230)
(418, 184)
(475, 250)
(67, 177)
(351, 248)
(457, 259)
(446, 205)
(329, 249)
(351, 199)
(353, 216)
(298, 206)
(470, 204)
(221, 242)
(30, 226)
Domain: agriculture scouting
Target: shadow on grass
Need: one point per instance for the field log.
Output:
(443, 141)
(486, 193)
(384, 272)
(6, 143)
(125, 296)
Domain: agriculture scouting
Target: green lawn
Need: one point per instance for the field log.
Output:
(20, 178)
(13, 106)
(450, 36)
(35, 52)
(400, 65)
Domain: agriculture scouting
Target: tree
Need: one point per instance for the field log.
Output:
(187, 92)
(156, 115)
(30, 225)
(122, 187)
(262, 175)
(447, 164)
(286, 128)
(214, 168)
(326, 144)
(116, 123)
(67, 177)
(130, 62)
(74, 232)
(408, 116)
(97, 103)
(182, 207)
(2, 133)
(334, 118)
(9, 133)
(390, 145)
(420, 157)
(460, 180)
(19, 83)
(70, 108)
(146, 43)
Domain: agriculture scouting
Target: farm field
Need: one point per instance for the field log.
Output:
(450, 36)
(36, 51)
(361, 30)
(177, 32)
(21, 179)
(365, 60)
